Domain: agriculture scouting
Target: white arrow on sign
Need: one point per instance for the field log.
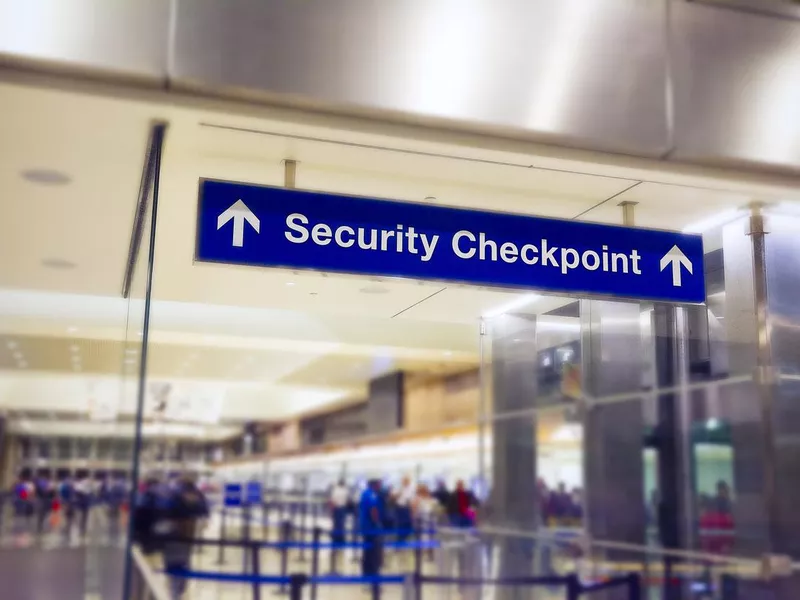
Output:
(239, 212)
(676, 257)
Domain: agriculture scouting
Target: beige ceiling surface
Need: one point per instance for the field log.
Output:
(280, 343)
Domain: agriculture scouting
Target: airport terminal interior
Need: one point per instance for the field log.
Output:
(209, 391)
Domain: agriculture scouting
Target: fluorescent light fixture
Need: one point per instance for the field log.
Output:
(515, 304)
(721, 218)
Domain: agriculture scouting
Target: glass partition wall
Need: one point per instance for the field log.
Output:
(597, 435)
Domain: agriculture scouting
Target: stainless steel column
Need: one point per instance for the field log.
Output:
(613, 431)
(514, 502)
(762, 320)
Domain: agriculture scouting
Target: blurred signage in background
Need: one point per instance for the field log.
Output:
(233, 494)
(186, 403)
(104, 400)
(253, 494)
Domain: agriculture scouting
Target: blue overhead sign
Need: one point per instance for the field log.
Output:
(253, 493)
(233, 494)
(277, 227)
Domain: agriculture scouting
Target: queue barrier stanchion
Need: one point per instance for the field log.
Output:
(315, 562)
(255, 550)
(334, 552)
(356, 546)
(285, 538)
(573, 587)
(635, 586)
(303, 529)
(265, 520)
(223, 535)
(418, 564)
(296, 583)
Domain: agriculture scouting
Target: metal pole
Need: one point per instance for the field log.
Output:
(222, 535)
(289, 173)
(296, 583)
(628, 212)
(482, 408)
(254, 548)
(315, 562)
(286, 534)
(765, 374)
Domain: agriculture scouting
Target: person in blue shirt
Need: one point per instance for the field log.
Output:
(370, 511)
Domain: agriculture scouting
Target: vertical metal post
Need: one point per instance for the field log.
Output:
(628, 212)
(289, 174)
(764, 374)
(285, 537)
(296, 583)
(482, 408)
(150, 175)
(315, 562)
(573, 587)
(255, 549)
(222, 535)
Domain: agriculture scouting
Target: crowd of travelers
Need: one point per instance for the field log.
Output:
(380, 510)
(42, 505)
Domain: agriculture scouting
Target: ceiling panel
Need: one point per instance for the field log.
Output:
(72, 233)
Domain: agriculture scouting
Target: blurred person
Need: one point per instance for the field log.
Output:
(45, 494)
(544, 501)
(424, 507)
(723, 498)
(576, 506)
(82, 502)
(716, 526)
(403, 499)
(442, 494)
(461, 509)
(115, 496)
(339, 503)
(148, 510)
(187, 506)
(66, 495)
(558, 504)
(371, 518)
(23, 498)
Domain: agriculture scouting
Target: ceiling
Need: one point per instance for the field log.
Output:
(275, 343)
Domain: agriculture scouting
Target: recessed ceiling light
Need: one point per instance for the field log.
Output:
(430, 198)
(72, 329)
(46, 176)
(17, 355)
(131, 351)
(312, 294)
(448, 353)
(130, 361)
(290, 283)
(58, 263)
(11, 344)
(22, 364)
(75, 348)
